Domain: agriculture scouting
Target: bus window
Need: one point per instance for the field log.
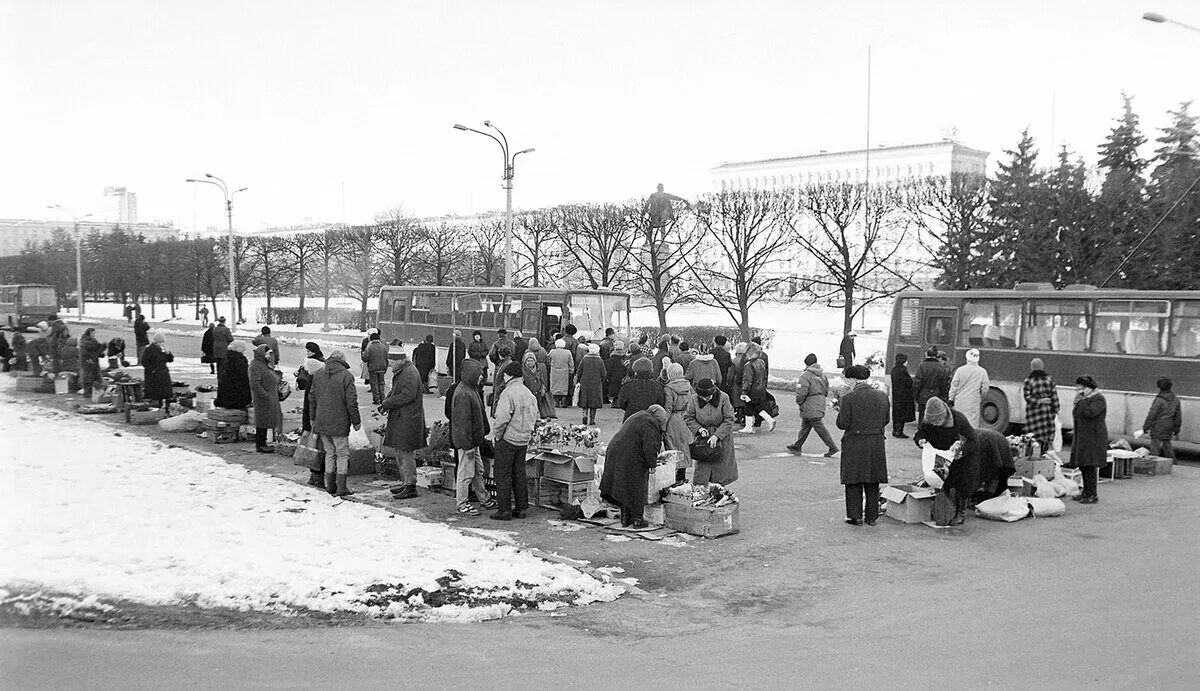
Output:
(419, 314)
(910, 321)
(1134, 327)
(938, 330)
(595, 313)
(512, 313)
(39, 296)
(991, 323)
(399, 307)
(1185, 329)
(1056, 325)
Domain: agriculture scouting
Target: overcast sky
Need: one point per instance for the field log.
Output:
(298, 99)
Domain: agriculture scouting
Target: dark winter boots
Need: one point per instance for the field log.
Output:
(342, 489)
(330, 483)
(315, 479)
(405, 492)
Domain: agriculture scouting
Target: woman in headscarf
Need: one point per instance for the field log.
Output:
(157, 380)
(640, 392)
(533, 382)
(590, 376)
(676, 394)
(631, 454)
(543, 363)
(943, 427)
(1089, 445)
(562, 366)
(264, 391)
(233, 382)
(904, 407)
(709, 416)
(616, 371)
(314, 361)
(478, 350)
(1041, 404)
(90, 351)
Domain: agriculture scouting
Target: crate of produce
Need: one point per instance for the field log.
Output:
(224, 435)
(29, 383)
(555, 494)
(236, 416)
(708, 521)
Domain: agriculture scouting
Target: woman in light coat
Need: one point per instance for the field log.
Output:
(562, 367)
(677, 392)
(967, 387)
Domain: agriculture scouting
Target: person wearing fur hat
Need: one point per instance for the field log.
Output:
(903, 403)
(1041, 404)
(863, 415)
(233, 378)
(967, 388)
(157, 379)
(812, 395)
(631, 454)
(641, 391)
(222, 338)
(333, 409)
(424, 357)
(589, 376)
(516, 415)
(943, 427)
(1089, 442)
(477, 350)
(264, 392)
(615, 371)
(562, 367)
(67, 359)
(754, 390)
(314, 361)
(677, 392)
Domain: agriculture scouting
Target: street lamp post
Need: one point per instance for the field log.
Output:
(1160, 19)
(509, 169)
(233, 313)
(78, 256)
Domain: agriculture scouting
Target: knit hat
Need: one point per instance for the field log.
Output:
(674, 371)
(705, 387)
(810, 359)
(239, 346)
(642, 367)
(593, 349)
(513, 369)
(336, 355)
(560, 343)
(618, 348)
(1086, 382)
(860, 372)
(973, 356)
(1036, 365)
(937, 413)
(740, 348)
(159, 337)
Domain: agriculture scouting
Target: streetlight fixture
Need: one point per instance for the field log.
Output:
(233, 313)
(79, 302)
(1161, 19)
(509, 169)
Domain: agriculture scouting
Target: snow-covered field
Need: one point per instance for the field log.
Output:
(90, 512)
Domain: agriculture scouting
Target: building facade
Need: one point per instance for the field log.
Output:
(19, 233)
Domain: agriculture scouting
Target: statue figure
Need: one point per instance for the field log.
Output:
(661, 209)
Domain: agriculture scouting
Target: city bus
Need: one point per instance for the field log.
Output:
(1125, 339)
(412, 312)
(24, 305)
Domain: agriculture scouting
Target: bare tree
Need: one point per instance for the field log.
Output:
(951, 214)
(327, 247)
(302, 250)
(400, 243)
(743, 235)
(855, 236)
(536, 249)
(486, 255)
(597, 237)
(208, 277)
(441, 253)
(660, 256)
(276, 266)
(358, 265)
(246, 265)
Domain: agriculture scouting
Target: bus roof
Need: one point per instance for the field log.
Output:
(1084, 294)
(26, 285)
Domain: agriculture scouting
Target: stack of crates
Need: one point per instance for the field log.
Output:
(222, 425)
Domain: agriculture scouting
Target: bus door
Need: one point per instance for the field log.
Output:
(552, 317)
(941, 325)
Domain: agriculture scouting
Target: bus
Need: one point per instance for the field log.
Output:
(1125, 339)
(24, 305)
(409, 313)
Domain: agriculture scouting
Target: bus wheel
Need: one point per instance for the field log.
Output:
(994, 412)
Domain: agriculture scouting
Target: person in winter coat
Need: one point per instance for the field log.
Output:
(967, 388)
(1164, 420)
(663, 352)
(1089, 445)
(943, 427)
(20, 354)
(562, 367)
(607, 343)
(233, 378)
(995, 464)
(157, 379)
(590, 378)
(314, 361)
(478, 350)
(425, 359)
(754, 390)
(115, 351)
(677, 392)
(812, 394)
(405, 424)
(333, 409)
(863, 414)
(641, 391)
(59, 335)
(637, 352)
(455, 355)
(502, 341)
(904, 408)
(505, 355)
(929, 380)
(67, 360)
(516, 415)
(616, 370)
(375, 357)
(264, 392)
(520, 345)
(724, 362)
(206, 349)
(141, 331)
(846, 349)
(273, 343)
(736, 369)
(90, 351)
(766, 359)
(536, 383)
(631, 454)
(709, 416)
(6, 353)
(222, 337)
(703, 366)
(1041, 404)
(468, 432)
(686, 355)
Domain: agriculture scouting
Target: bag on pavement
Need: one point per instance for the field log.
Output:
(1042, 507)
(1006, 507)
(309, 451)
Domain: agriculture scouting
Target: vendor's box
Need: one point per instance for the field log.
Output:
(554, 494)
(1022, 486)
(429, 477)
(28, 383)
(567, 467)
(534, 465)
(908, 504)
(706, 521)
(1152, 465)
(362, 462)
(655, 514)
(1028, 467)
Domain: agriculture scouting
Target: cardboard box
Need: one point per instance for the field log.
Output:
(1022, 486)
(533, 485)
(553, 494)
(429, 477)
(28, 383)
(908, 504)
(655, 514)
(567, 467)
(1152, 465)
(1028, 467)
(362, 462)
(534, 465)
(705, 521)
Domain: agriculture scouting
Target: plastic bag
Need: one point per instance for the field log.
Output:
(1046, 489)
(359, 440)
(929, 461)
(1057, 444)
(191, 421)
(309, 451)
(1046, 508)
(1006, 507)
(1063, 485)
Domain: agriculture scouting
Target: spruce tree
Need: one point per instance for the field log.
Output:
(1121, 216)
(1070, 210)
(1174, 249)
(1013, 249)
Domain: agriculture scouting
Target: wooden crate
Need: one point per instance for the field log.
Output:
(556, 494)
(224, 435)
(705, 521)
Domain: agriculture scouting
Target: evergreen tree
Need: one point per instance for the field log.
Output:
(1012, 250)
(1070, 209)
(1174, 249)
(1121, 215)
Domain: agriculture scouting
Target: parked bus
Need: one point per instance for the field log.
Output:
(1125, 339)
(26, 304)
(411, 312)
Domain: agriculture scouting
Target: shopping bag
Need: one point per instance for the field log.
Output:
(359, 440)
(701, 452)
(285, 389)
(309, 451)
(1057, 444)
(943, 509)
(1006, 507)
(1046, 507)
(930, 459)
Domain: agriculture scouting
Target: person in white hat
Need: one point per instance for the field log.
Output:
(967, 388)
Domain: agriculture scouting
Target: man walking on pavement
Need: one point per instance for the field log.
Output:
(265, 338)
(425, 359)
(811, 393)
(516, 413)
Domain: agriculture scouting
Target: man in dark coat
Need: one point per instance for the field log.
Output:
(478, 350)
(406, 423)
(141, 335)
(273, 343)
(520, 345)
(264, 391)
(222, 337)
(157, 381)
(812, 395)
(903, 405)
(6, 353)
(502, 341)
(616, 371)
(468, 432)
(206, 349)
(724, 361)
(333, 409)
(943, 428)
(846, 349)
(631, 454)
(455, 356)
(425, 359)
(573, 348)
(1089, 442)
(929, 381)
(233, 379)
(863, 414)
(640, 392)
(995, 463)
(375, 357)
(1164, 420)
(90, 351)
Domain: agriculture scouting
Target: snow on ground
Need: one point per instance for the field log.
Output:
(90, 512)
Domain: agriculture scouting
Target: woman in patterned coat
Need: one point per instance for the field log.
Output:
(1041, 404)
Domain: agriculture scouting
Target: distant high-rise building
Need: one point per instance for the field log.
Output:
(126, 211)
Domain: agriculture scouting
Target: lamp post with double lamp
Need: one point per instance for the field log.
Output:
(509, 168)
(78, 255)
(1160, 19)
(218, 182)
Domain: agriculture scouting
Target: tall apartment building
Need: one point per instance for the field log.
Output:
(126, 204)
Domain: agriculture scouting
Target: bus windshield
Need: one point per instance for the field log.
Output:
(39, 296)
(597, 312)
